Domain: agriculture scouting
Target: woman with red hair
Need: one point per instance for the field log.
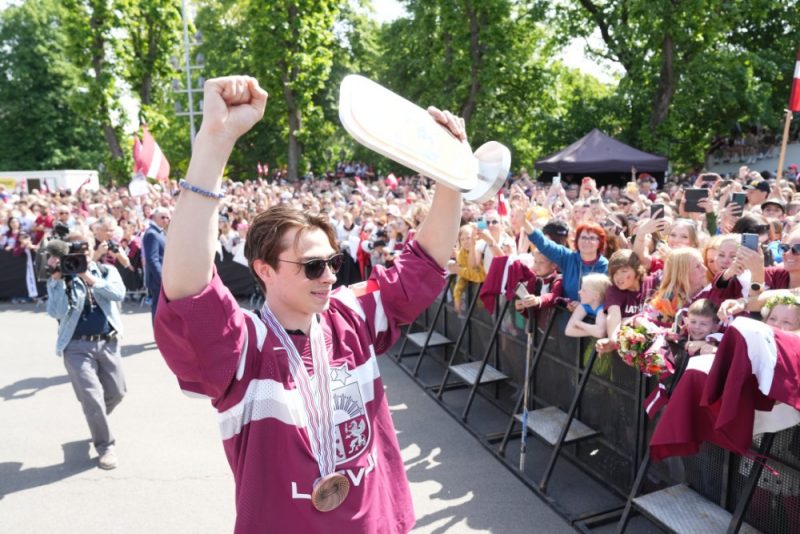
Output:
(590, 242)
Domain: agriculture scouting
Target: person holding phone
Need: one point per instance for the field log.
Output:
(296, 469)
(757, 190)
(494, 240)
(680, 233)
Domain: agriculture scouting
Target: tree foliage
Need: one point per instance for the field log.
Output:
(40, 94)
(692, 70)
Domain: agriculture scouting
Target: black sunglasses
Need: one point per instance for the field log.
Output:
(315, 268)
(794, 248)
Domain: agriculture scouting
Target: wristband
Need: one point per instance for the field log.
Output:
(200, 191)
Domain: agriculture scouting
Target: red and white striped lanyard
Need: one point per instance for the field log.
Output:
(316, 396)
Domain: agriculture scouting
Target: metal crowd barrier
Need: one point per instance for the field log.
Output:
(606, 396)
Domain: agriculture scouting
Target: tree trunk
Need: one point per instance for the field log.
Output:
(295, 118)
(146, 91)
(113, 142)
(476, 62)
(666, 84)
(98, 66)
(295, 122)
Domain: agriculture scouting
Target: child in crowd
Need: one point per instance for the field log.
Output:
(701, 322)
(544, 288)
(782, 312)
(592, 295)
(464, 265)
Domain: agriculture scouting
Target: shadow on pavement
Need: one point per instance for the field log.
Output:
(28, 387)
(76, 460)
(130, 350)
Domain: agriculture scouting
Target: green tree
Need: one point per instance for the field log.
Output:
(487, 61)
(94, 50)
(152, 36)
(693, 69)
(40, 93)
(287, 45)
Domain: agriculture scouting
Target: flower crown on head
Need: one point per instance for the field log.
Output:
(787, 299)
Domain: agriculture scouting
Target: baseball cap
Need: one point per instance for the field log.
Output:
(774, 202)
(761, 185)
(559, 228)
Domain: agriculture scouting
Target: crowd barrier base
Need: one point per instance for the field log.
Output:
(592, 489)
(456, 347)
(429, 338)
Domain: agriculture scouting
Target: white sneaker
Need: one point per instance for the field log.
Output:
(108, 460)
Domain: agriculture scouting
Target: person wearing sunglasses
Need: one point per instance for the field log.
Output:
(766, 280)
(493, 240)
(307, 455)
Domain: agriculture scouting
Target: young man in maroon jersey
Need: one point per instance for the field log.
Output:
(305, 423)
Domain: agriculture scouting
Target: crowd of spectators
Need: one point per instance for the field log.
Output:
(748, 145)
(659, 261)
(612, 256)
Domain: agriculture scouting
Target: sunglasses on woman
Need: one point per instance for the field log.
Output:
(316, 268)
(794, 248)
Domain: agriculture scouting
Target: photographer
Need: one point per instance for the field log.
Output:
(107, 250)
(84, 297)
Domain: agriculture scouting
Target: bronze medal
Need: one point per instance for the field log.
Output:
(329, 492)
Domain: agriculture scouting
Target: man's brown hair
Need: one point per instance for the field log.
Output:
(265, 236)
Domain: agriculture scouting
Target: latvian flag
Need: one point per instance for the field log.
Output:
(755, 367)
(749, 386)
(148, 158)
(502, 204)
(794, 100)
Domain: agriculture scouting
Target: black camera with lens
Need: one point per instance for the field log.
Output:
(74, 263)
(112, 247)
(72, 256)
(60, 231)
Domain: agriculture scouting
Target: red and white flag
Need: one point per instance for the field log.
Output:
(260, 169)
(502, 204)
(148, 158)
(363, 189)
(794, 100)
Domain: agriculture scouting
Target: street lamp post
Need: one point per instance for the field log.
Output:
(188, 67)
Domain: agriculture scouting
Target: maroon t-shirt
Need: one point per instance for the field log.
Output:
(632, 302)
(776, 277)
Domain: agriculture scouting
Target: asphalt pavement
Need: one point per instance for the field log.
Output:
(173, 476)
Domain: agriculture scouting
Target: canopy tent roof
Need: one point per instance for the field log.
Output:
(597, 152)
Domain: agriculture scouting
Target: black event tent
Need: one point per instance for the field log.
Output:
(597, 153)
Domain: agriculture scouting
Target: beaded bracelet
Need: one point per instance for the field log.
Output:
(200, 191)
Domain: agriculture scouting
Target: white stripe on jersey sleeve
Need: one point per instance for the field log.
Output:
(381, 322)
(761, 349)
(261, 335)
(346, 296)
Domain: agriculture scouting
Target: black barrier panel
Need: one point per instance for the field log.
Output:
(235, 276)
(12, 276)
(611, 404)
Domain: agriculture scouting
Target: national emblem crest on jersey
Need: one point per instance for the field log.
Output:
(350, 421)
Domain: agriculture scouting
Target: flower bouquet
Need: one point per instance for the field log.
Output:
(643, 345)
